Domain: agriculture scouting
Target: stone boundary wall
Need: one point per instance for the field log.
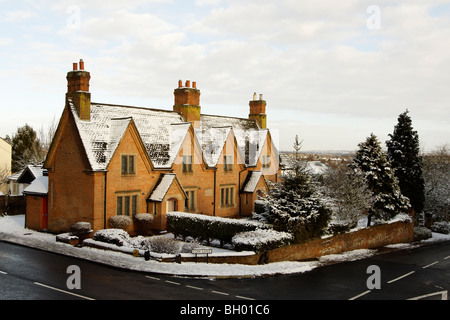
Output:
(367, 238)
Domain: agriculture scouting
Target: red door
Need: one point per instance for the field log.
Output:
(44, 213)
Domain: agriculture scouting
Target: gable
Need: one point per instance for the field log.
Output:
(165, 183)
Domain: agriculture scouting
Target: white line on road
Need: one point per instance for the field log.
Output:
(245, 298)
(64, 291)
(194, 287)
(429, 265)
(401, 277)
(172, 282)
(153, 278)
(360, 295)
(3, 272)
(444, 295)
(220, 292)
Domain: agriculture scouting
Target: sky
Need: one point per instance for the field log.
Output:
(332, 72)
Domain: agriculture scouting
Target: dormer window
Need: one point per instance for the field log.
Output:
(265, 161)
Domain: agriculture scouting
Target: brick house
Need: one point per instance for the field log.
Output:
(108, 160)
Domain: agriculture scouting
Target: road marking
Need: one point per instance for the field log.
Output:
(429, 265)
(64, 291)
(245, 298)
(194, 287)
(153, 278)
(222, 293)
(401, 277)
(447, 257)
(172, 282)
(360, 295)
(444, 295)
(3, 272)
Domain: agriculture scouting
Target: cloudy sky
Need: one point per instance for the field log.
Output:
(332, 72)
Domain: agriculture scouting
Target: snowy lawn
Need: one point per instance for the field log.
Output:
(12, 230)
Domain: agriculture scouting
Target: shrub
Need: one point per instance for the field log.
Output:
(441, 227)
(143, 223)
(119, 222)
(203, 227)
(261, 240)
(81, 229)
(118, 237)
(421, 233)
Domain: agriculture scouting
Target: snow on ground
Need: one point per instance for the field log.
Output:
(12, 230)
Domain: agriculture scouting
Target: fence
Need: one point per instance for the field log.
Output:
(12, 205)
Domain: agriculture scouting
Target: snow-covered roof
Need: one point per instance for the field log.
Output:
(162, 187)
(162, 133)
(38, 186)
(102, 133)
(252, 181)
(316, 167)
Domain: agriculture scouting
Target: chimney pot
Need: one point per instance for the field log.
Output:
(260, 96)
(188, 84)
(180, 83)
(254, 96)
(81, 64)
(194, 85)
(75, 66)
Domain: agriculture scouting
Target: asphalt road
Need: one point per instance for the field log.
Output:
(419, 273)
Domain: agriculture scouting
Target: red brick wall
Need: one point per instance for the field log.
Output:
(374, 237)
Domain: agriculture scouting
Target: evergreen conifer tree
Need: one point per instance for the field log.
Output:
(294, 205)
(403, 153)
(373, 163)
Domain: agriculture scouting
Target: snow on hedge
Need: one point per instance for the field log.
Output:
(261, 240)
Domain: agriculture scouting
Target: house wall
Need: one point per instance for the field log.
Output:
(200, 180)
(233, 178)
(72, 189)
(141, 183)
(34, 208)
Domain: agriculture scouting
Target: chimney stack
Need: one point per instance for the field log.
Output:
(78, 90)
(258, 111)
(187, 102)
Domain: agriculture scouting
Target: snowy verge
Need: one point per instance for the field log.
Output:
(12, 230)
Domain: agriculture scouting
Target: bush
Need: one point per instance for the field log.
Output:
(421, 233)
(163, 244)
(119, 222)
(203, 227)
(81, 230)
(261, 240)
(143, 223)
(118, 237)
(441, 227)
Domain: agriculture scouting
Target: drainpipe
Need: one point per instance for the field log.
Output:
(239, 192)
(104, 203)
(214, 207)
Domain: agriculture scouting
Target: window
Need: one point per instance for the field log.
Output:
(266, 161)
(126, 205)
(227, 196)
(187, 163)
(128, 164)
(189, 202)
(227, 163)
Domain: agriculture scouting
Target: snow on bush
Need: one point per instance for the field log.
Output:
(143, 223)
(119, 222)
(261, 240)
(421, 233)
(202, 227)
(441, 227)
(144, 217)
(80, 228)
(118, 237)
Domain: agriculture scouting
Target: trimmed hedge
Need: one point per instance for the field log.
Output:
(207, 228)
(261, 240)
